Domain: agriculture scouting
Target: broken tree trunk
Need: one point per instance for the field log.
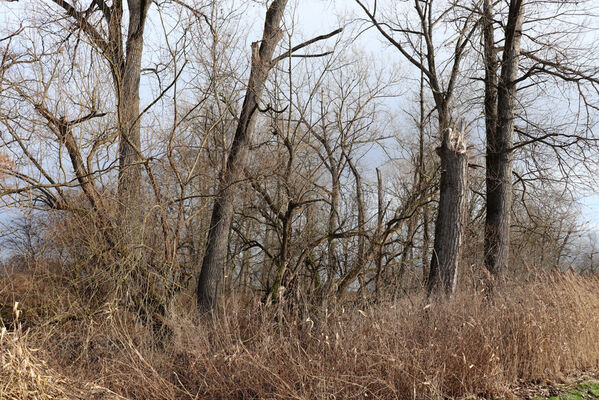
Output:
(449, 226)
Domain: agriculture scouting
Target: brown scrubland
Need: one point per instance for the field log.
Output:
(544, 329)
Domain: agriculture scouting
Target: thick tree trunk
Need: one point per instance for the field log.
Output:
(449, 226)
(125, 66)
(499, 112)
(127, 82)
(215, 256)
(421, 179)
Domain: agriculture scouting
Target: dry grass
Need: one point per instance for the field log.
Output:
(539, 331)
(25, 376)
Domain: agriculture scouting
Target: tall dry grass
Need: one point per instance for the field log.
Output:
(545, 329)
(24, 375)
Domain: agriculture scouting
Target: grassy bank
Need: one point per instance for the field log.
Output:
(585, 391)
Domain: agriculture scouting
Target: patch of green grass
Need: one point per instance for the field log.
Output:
(584, 391)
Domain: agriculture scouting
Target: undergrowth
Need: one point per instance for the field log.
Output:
(475, 345)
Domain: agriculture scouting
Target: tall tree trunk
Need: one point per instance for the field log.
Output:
(425, 243)
(127, 84)
(500, 101)
(215, 256)
(125, 66)
(451, 218)
(421, 178)
(379, 231)
(361, 255)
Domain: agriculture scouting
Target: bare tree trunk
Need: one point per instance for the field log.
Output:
(451, 218)
(361, 254)
(125, 66)
(379, 231)
(127, 86)
(332, 227)
(421, 179)
(222, 214)
(499, 112)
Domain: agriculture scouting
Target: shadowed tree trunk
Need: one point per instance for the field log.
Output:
(451, 219)
(500, 98)
(222, 214)
(421, 179)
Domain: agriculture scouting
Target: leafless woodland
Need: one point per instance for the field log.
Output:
(213, 166)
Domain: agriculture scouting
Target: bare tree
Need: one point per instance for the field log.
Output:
(262, 62)
(123, 54)
(449, 224)
(216, 248)
(551, 149)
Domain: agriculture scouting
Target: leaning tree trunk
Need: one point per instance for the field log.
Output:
(449, 227)
(215, 256)
(500, 135)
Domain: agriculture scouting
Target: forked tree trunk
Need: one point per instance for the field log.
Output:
(451, 218)
(500, 100)
(215, 256)
(124, 61)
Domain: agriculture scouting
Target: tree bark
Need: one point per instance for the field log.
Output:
(379, 230)
(451, 218)
(124, 61)
(127, 82)
(500, 98)
(215, 256)
(125, 66)
(333, 222)
(421, 179)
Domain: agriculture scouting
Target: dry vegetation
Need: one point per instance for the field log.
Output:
(25, 375)
(541, 330)
(189, 216)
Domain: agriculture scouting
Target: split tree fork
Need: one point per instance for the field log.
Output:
(262, 61)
